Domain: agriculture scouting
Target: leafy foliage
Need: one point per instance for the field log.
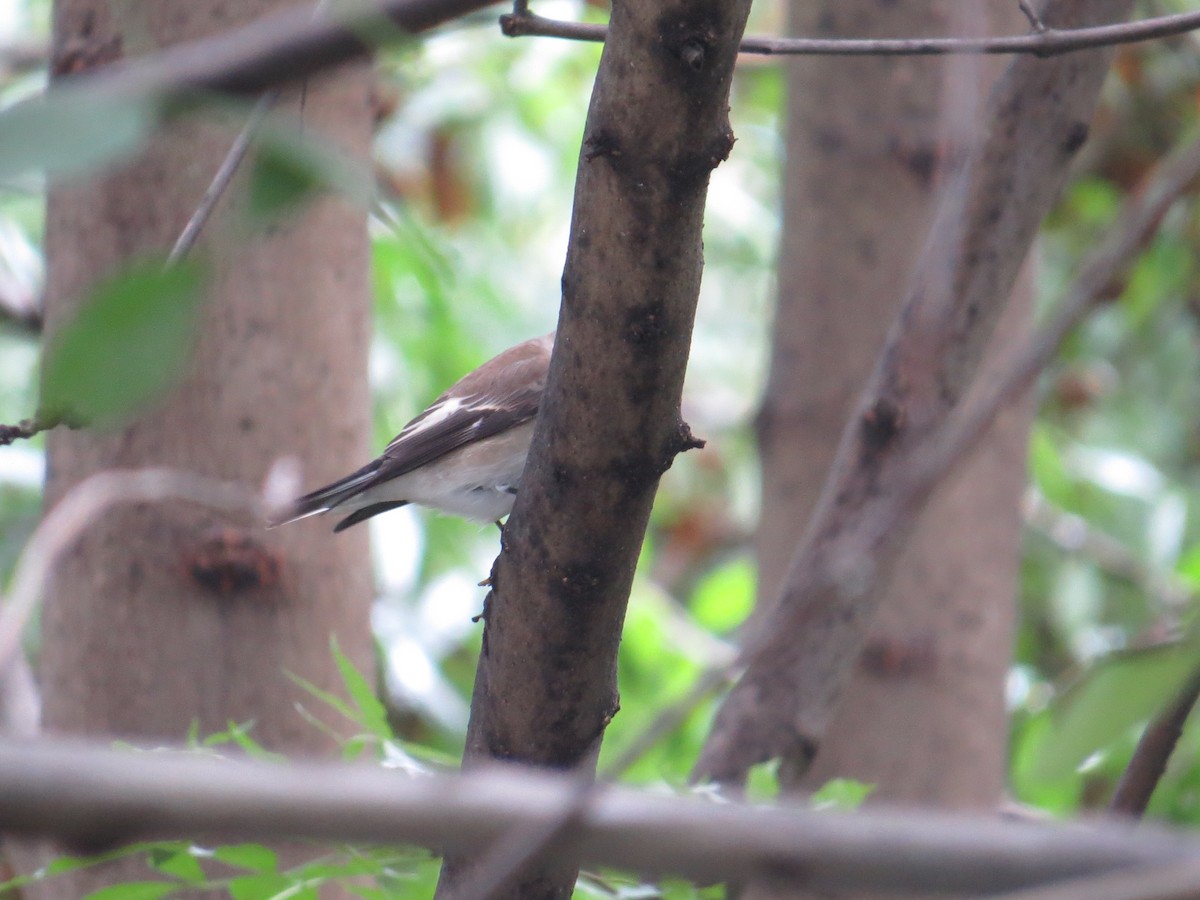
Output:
(126, 346)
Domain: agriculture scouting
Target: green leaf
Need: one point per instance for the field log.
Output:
(125, 348)
(726, 595)
(373, 714)
(133, 890)
(68, 132)
(291, 167)
(1046, 466)
(841, 793)
(254, 857)
(762, 782)
(179, 862)
(333, 700)
(240, 735)
(1120, 692)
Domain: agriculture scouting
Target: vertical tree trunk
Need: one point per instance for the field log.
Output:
(924, 718)
(135, 644)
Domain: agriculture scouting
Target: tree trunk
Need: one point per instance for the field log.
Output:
(924, 717)
(140, 639)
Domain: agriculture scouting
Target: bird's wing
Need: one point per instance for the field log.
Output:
(451, 423)
(501, 394)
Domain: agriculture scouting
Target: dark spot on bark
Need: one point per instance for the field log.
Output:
(246, 424)
(562, 477)
(879, 426)
(637, 472)
(922, 162)
(577, 583)
(228, 561)
(692, 37)
(601, 143)
(920, 158)
(828, 140)
(692, 54)
(898, 657)
(644, 324)
(1076, 136)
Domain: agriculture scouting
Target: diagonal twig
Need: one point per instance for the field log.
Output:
(1153, 750)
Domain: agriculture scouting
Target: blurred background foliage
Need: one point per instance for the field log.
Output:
(475, 160)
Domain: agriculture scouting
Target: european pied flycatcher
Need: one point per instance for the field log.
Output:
(464, 455)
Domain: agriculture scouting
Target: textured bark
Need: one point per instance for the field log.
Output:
(135, 643)
(1034, 122)
(923, 717)
(609, 425)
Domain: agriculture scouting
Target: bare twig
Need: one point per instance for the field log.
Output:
(1154, 749)
(1031, 15)
(63, 525)
(24, 430)
(229, 165)
(281, 47)
(1043, 42)
(224, 175)
(94, 797)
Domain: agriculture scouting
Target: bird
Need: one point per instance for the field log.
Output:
(463, 455)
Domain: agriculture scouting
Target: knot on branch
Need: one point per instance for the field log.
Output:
(227, 561)
(879, 426)
(1077, 135)
(685, 440)
(690, 39)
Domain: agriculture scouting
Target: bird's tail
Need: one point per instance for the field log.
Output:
(327, 497)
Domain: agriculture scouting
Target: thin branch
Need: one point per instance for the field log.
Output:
(282, 47)
(23, 430)
(97, 798)
(63, 525)
(1035, 21)
(224, 175)
(1154, 749)
(1043, 41)
(229, 165)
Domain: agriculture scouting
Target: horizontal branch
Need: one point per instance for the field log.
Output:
(281, 47)
(97, 798)
(1045, 42)
(290, 45)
